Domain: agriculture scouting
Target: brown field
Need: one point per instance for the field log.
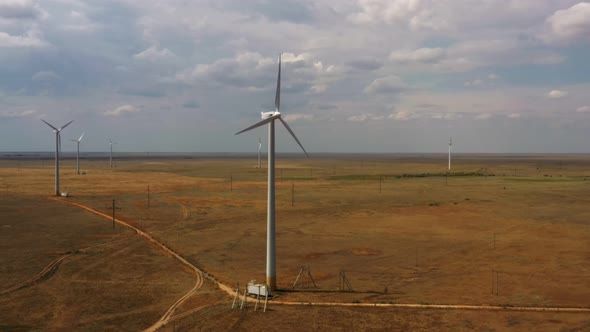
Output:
(400, 229)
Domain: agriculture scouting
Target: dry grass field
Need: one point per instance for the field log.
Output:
(499, 230)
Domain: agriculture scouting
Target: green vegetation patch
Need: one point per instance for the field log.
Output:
(544, 179)
(376, 177)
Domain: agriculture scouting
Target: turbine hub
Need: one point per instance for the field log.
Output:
(266, 115)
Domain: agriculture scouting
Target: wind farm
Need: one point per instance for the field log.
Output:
(444, 245)
(386, 236)
(416, 166)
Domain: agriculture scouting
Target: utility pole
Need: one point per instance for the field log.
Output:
(114, 207)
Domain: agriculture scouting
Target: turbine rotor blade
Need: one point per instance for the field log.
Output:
(67, 124)
(79, 139)
(293, 134)
(49, 125)
(278, 94)
(263, 122)
(109, 139)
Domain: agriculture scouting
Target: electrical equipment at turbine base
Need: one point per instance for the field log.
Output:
(257, 289)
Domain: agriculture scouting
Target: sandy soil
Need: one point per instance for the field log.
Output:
(513, 233)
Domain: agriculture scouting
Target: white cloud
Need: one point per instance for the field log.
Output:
(556, 94)
(403, 116)
(46, 76)
(483, 116)
(476, 82)
(77, 21)
(18, 114)
(32, 39)
(446, 116)
(153, 54)
(389, 84)
(413, 14)
(121, 110)
(421, 55)
(583, 109)
(292, 117)
(245, 69)
(364, 117)
(514, 116)
(254, 71)
(571, 23)
(493, 76)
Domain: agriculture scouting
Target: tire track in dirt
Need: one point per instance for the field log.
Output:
(52, 267)
(162, 247)
(44, 274)
(168, 315)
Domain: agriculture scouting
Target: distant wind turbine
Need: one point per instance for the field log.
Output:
(78, 152)
(450, 148)
(270, 117)
(259, 149)
(111, 153)
(57, 150)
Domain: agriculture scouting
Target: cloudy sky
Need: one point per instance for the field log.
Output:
(358, 75)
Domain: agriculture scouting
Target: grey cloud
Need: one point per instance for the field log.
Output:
(327, 107)
(280, 11)
(144, 92)
(365, 64)
(191, 104)
(20, 10)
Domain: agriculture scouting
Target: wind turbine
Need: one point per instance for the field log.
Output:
(57, 149)
(259, 149)
(450, 148)
(78, 153)
(111, 153)
(270, 117)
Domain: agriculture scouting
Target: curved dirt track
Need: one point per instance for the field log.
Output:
(169, 252)
(199, 273)
(45, 273)
(167, 316)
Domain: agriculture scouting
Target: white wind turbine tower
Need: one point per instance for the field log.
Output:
(259, 149)
(450, 148)
(78, 152)
(111, 153)
(57, 149)
(270, 117)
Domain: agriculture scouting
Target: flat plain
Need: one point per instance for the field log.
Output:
(504, 230)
